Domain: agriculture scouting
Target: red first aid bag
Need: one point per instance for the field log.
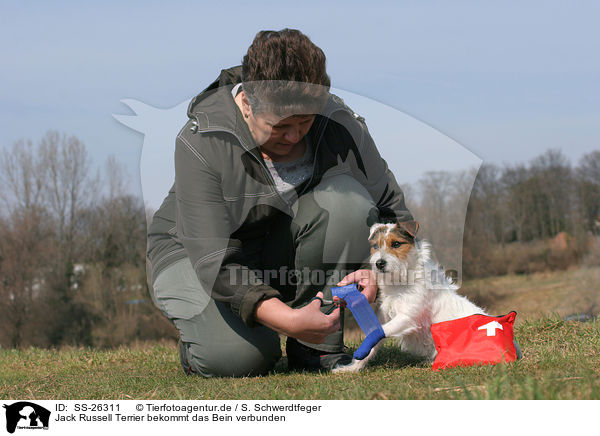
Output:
(474, 340)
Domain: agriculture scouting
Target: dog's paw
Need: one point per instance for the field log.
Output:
(354, 366)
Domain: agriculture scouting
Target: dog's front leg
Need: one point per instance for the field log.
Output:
(398, 327)
(357, 365)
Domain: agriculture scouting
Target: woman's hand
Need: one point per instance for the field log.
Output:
(306, 324)
(312, 325)
(365, 279)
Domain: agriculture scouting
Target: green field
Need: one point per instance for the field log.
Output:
(561, 361)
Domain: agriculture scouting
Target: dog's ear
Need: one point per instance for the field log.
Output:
(412, 227)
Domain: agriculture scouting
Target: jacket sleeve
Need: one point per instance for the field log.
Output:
(371, 170)
(204, 228)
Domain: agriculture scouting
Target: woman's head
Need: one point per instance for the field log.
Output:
(284, 73)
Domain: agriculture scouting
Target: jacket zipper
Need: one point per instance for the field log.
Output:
(312, 177)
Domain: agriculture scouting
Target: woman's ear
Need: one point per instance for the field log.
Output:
(246, 108)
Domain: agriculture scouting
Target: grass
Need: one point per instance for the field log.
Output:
(561, 360)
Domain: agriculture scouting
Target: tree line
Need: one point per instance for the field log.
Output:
(519, 218)
(72, 250)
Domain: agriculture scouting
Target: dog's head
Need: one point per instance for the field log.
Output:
(392, 247)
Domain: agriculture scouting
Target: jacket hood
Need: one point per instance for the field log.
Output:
(214, 108)
(230, 76)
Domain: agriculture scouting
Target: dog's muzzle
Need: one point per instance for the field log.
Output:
(380, 264)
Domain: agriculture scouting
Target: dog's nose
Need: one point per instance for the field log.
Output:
(380, 264)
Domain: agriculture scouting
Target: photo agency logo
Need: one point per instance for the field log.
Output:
(434, 278)
(26, 416)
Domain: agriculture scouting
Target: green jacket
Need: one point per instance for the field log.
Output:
(224, 194)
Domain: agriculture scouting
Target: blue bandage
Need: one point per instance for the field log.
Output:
(367, 345)
(364, 316)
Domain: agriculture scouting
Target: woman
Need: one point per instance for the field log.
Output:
(276, 184)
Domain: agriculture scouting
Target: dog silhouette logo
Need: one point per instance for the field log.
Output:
(26, 415)
(449, 167)
(160, 128)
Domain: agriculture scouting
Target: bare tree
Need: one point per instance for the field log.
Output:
(25, 239)
(69, 188)
(116, 176)
(45, 188)
(53, 217)
(440, 207)
(22, 177)
(25, 251)
(552, 174)
(588, 181)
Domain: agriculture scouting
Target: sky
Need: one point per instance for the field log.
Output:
(502, 82)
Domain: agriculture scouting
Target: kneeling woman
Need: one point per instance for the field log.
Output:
(276, 185)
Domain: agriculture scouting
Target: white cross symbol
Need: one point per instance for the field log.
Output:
(491, 327)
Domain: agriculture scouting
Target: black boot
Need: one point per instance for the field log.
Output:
(300, 357)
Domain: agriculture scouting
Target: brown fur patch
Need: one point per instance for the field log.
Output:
(398, 236)
(404, 241)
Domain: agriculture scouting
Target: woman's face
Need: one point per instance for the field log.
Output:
(278, 137)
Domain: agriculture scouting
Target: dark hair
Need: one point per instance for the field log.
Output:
(284, 72)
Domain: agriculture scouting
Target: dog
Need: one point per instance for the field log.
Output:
(414, 291)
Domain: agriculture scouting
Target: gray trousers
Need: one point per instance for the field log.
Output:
(325, 240)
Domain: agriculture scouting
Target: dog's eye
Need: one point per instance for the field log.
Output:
(376, 246)
(397, 244)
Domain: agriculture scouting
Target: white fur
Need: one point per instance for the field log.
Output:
(376, 227)
(410, 301)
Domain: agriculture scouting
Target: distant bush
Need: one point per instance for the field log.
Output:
(120, 305)
(522, 258)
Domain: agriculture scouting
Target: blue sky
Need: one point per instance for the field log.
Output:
(506, 80)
